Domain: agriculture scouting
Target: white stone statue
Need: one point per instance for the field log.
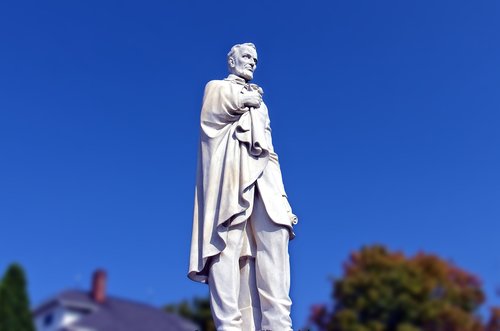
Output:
(242, 219)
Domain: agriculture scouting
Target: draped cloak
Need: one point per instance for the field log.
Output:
(235, 158)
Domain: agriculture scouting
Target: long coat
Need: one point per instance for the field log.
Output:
(235, 158)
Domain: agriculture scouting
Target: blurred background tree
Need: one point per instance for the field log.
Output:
(494, 323)
(387, 291)
(15, 312)
(197, 311)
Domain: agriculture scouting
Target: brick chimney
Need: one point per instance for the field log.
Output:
(98, 292)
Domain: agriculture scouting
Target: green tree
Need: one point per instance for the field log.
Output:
(14, 303)
(387, 291)
(197, 311)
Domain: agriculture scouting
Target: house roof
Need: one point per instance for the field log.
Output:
(116, 314)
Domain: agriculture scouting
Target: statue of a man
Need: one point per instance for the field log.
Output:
(242, 219)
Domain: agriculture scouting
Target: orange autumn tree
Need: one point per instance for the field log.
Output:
(388, 291)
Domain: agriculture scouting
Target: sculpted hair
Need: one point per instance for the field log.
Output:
(236, 48)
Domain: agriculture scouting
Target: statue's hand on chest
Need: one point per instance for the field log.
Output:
(251, 96)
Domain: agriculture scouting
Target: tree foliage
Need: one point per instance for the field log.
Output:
(197, 311)
(494, 322)
(14, 303)
(387, 291)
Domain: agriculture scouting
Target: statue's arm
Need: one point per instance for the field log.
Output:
(228, 101)
(221, 104)
(275, 169)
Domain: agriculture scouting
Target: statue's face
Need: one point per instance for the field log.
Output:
(243, 62)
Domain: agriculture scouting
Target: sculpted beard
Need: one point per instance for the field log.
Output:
(244, 72)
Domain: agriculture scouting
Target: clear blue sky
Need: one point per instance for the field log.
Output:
(385, 115)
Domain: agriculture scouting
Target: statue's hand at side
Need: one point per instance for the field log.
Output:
(250, 99)
(293, 218)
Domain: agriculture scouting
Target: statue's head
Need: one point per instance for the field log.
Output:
(242, 60)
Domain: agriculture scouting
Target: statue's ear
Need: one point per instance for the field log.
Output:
(231, 62)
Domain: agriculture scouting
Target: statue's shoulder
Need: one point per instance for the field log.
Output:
(216, 84)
